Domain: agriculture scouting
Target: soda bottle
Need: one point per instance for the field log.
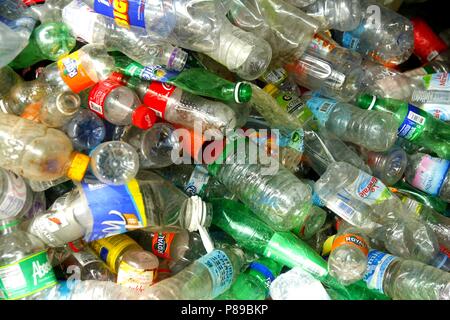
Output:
(404, 279)
(436, 103)
(342, 15)
(114, 162)
(49, 41)
(414, 124)
(39, 153)
(254, 283)
(135, 43)
(119, 105)
(312, 224)
(368, 129)
(366, 203)
(86, 130)
(95, 211)
(25, 270)
(385, 36)
(206, 278)
(80, 69)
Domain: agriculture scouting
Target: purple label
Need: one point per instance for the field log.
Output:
(125, 13)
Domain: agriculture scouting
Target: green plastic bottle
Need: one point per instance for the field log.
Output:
(415, 125)
(49, 41)
(255, 282)
(283, 247)
(195, 80)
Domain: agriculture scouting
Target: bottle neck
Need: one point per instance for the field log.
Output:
(8, 226)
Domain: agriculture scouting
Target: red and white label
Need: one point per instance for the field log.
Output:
(98, 95)
(157, 96)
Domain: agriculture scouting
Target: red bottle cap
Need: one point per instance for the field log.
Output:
(143, 117)
(427, 44)
(32, 2)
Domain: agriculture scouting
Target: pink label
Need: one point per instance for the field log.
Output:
(430, 174)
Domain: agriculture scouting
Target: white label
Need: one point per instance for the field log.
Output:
(197, 181)
(12, 277)
(15, 196)
(84, 258)
(95, 107)
(220, 269)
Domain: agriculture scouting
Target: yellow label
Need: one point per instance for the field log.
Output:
(78, 167)
(134, 278)
(135, 192)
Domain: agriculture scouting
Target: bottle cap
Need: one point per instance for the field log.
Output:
(271, 89)
(427, 44)
(143, 117)
(196, 212)
(366, 101)
(242, 92)
(78, 167)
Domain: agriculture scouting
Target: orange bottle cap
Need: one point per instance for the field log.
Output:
(78, 167)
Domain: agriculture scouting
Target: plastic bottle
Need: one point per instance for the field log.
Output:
(80, 69)
(86, 130)
(342, 15)
(135, 43)
(436, 103)
(114, 162)
(254, 283)
(96, 211)
(383, 35)
(15, 30)
(348, 257)
(48, 11)
(366, 203)
(368, 129)
(179, 107)
(429, 174)
(16, 198)
(414, 124)
(403, 279)
(206, 278)
(55, 110)
(21, 252)
(49, 41)
(119, 105)
(427, 45)
(37, 152)
(312, 224)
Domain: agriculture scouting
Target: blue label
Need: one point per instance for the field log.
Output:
(115, 209)
(221, 270)
(125, 13)
(352, 39)
(377, 265)
(321, 108)
(413, 124)
(158, 73)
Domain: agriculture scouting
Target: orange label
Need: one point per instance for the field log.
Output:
(161, 243)
(353, 240)
(32, 112)
(73, 73)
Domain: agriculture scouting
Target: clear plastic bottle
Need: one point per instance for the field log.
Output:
(37, 152)
(96, 211)
(86, 130)
(49, 11)
(403, 279)
(180, 107)
(429, 174)
(342, 15)
(313, 222)
(205, 279)
(366, 203)
(80, 69)
(135, 43)
(119, 105)
(348, 257)
(384, 35)
(21, 252)
(368, 128)
(114, 162)
(16, 198)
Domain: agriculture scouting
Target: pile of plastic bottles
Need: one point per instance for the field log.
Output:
(226, 149)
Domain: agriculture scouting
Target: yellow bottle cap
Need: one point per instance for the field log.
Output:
(78, 167)
(271, 89)
(327, 246)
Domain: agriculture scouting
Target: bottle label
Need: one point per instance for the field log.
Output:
(321, 108)
(352, 39)
(414, 123)
(437, 81)
(84, 258)
(352, 240)
(15, 196)
(368, 189)
(377, 265)
(115, 209)
(125, 13)
(26, 277)
(157, 97)
(295, 106)
(73, 73)
(221, 270)
(197, 181)
(275, 77)
(46, 225)
(134, 278)
(321, 45)
(98, 95)
(295, 140)
(161, 244)
(109, 249)
(317, 201)
(438, 111)
(430, 174)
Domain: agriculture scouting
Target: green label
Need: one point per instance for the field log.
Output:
(26, 277)
(294, 106)
(133, 70)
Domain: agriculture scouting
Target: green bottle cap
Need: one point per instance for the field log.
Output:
(366, 101)
(243, 92)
